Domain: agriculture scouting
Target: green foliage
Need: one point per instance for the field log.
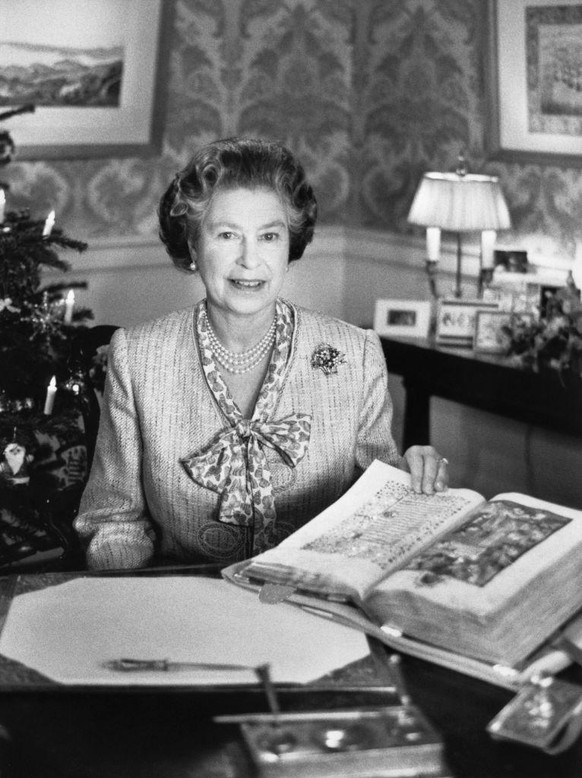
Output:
(555, 339)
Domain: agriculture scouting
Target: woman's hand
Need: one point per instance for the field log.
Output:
(429, 471)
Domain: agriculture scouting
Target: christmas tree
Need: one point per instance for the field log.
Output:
(38, 325)
(43, 457)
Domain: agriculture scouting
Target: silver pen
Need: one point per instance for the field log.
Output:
(130, 665)
(395, 663)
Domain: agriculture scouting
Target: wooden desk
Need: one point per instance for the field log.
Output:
(170, 734)
(63, 732)
(486, 382)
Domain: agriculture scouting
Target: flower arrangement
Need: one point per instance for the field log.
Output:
(554, 339)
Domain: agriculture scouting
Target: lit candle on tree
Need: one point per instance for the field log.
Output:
(2, 205)
(48, 225)
(51, 391)
(69, 306)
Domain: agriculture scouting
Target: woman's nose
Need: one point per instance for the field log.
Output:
(249, 255)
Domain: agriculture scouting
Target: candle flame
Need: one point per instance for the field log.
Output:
(53, 382)
(49, 224)
(70, 296)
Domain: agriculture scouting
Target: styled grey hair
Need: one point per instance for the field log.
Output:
(229, 164)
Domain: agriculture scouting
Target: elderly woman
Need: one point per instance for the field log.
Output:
(227, 426)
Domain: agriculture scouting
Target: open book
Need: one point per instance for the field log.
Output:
(480, 586)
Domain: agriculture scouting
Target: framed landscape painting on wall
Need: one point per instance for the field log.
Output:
(91, 71)
(534, 81)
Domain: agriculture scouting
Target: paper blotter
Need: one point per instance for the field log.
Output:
(69, 632)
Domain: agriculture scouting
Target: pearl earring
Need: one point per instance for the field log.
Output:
(193, 267)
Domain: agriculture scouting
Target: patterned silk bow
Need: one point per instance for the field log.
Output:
(235, 466)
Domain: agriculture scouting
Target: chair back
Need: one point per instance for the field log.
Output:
(91, 357)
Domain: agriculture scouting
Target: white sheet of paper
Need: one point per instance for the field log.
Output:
(67, 631)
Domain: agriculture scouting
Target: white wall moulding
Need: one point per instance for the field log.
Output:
(342, 273)
(120, 254)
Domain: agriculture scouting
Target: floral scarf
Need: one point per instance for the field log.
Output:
(234, 464)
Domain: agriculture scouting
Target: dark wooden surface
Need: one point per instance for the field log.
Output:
(68, 734)
(487, 382)
(63, 732)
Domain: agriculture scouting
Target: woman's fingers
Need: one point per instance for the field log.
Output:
(442, 479)
(429, 471)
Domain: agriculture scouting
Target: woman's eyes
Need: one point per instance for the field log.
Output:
(268, 237)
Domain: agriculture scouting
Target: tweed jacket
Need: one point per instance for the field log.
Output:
(158, 409)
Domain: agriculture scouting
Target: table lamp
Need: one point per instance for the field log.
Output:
(459, 202)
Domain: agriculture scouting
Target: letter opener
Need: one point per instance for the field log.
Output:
(130, 665)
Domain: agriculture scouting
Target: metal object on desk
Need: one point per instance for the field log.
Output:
(131, 665)
(388, 741)
(545, 714)
(373, 741)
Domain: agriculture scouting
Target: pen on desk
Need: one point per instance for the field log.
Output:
(398, 678)
(130, 665)
(263, 673)
(280, 739)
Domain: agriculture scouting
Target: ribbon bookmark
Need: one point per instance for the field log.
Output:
(272, 593)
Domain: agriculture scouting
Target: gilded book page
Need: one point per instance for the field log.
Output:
(496, 587)
(373, 529)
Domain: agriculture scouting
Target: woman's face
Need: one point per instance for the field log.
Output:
(243, 251)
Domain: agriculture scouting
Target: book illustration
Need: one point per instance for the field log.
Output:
(424, 571)
(394, 510)
(500, 533)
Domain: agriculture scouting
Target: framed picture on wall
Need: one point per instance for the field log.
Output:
(408, 318)
(534, 81)
(92, 72)
(456, 320)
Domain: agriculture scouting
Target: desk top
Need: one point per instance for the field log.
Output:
(172, 735)
(57, 732)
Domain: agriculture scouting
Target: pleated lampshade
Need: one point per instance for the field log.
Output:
(460, 203)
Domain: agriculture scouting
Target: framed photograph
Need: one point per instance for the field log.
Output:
(92, 71)
(490, 336)
(511, 260)
(533, 81)
(456, 320)
(518, 292)
(408, 318)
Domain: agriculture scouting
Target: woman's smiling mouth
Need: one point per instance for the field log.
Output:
(240, 284)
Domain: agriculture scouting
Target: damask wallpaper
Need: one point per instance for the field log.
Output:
(369, 93)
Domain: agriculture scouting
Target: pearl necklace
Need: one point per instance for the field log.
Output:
(244, 361)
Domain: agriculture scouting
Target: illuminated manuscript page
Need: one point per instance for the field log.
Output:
(369, 532)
